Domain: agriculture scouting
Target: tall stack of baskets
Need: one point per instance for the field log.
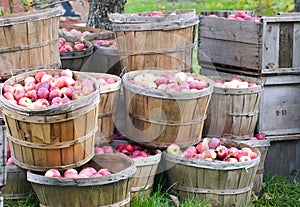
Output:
(157, 118)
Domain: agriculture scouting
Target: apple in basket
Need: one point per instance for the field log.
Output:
(234, 82)
(131, 150)
(177, 82)
(43, 90)
(84, 172)
(213, 149)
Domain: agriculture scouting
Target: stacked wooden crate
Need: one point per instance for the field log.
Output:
(269, 50)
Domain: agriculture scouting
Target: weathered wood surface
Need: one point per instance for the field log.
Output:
(233, 112)
(17, 186)
(143, 179)
(109, 95)
(54, 137)
(285, 150)
(31, 37)
(111, 190)
(165, 43)
(269, 46)
(218, 182)
(279, 107)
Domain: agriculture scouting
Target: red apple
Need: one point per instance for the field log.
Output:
(18, 94)
(25, 102)
(260, 136)
(53, 173)
(104, 172)
(108, 149)
(9, 96)
(88, 171)
(192, 149)
(71, 173)
(213, 143)
(253, 155)
(29, 79)
(67, 72)
(231, 159)
(244, 158)
(43, 93)
(10, 161)
(8, 88)
(222, 152)
(203, 145)
(246, 151)
(233, 151)
(98, 150)
(29, 86)
(188, 154)
(38, 76)
(208, 154)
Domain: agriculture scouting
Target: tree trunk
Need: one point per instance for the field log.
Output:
(99, 10)
(297, 5)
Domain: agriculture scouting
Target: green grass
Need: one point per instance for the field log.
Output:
(277, 191)
(261, 7)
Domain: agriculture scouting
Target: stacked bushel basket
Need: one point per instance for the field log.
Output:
(59, 137)
(152, 46)
(30, 42)
(266, 49)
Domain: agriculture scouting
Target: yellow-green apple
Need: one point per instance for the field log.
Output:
(173, 149)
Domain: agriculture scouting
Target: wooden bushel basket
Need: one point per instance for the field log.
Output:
(55, 137)
(30, 40)
(221, 183)
(233, 112)
(110, 190)
(75, 60)
(103, 60)
(164, 42)
(17, 186)
(157, 118)
(262, 146)
(143, 179)
(109, 95)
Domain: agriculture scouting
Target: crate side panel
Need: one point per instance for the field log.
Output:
(279, 111)
(230, 30)
(287, 156)
(229, 53)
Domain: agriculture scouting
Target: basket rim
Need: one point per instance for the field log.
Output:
(50, 110)
(215, 164)
(163, 94)
(19, 18)
(121, 175)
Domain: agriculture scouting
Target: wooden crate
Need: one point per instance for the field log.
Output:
(279, 108)
(270, 46)
(283, 157)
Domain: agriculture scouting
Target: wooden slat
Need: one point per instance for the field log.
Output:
(229, 53)
(286, 49)
(229, 30)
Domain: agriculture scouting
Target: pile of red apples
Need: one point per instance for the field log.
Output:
(240, 15)
(65, 46)
(213, 149)
(76, 31)
(234, 82)
(44, 90)
(106, 43)
(102, 80)
(85, 172)
(131, 150)
(178, 82)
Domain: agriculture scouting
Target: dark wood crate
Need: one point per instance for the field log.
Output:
(270, 46)
(283, 157)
